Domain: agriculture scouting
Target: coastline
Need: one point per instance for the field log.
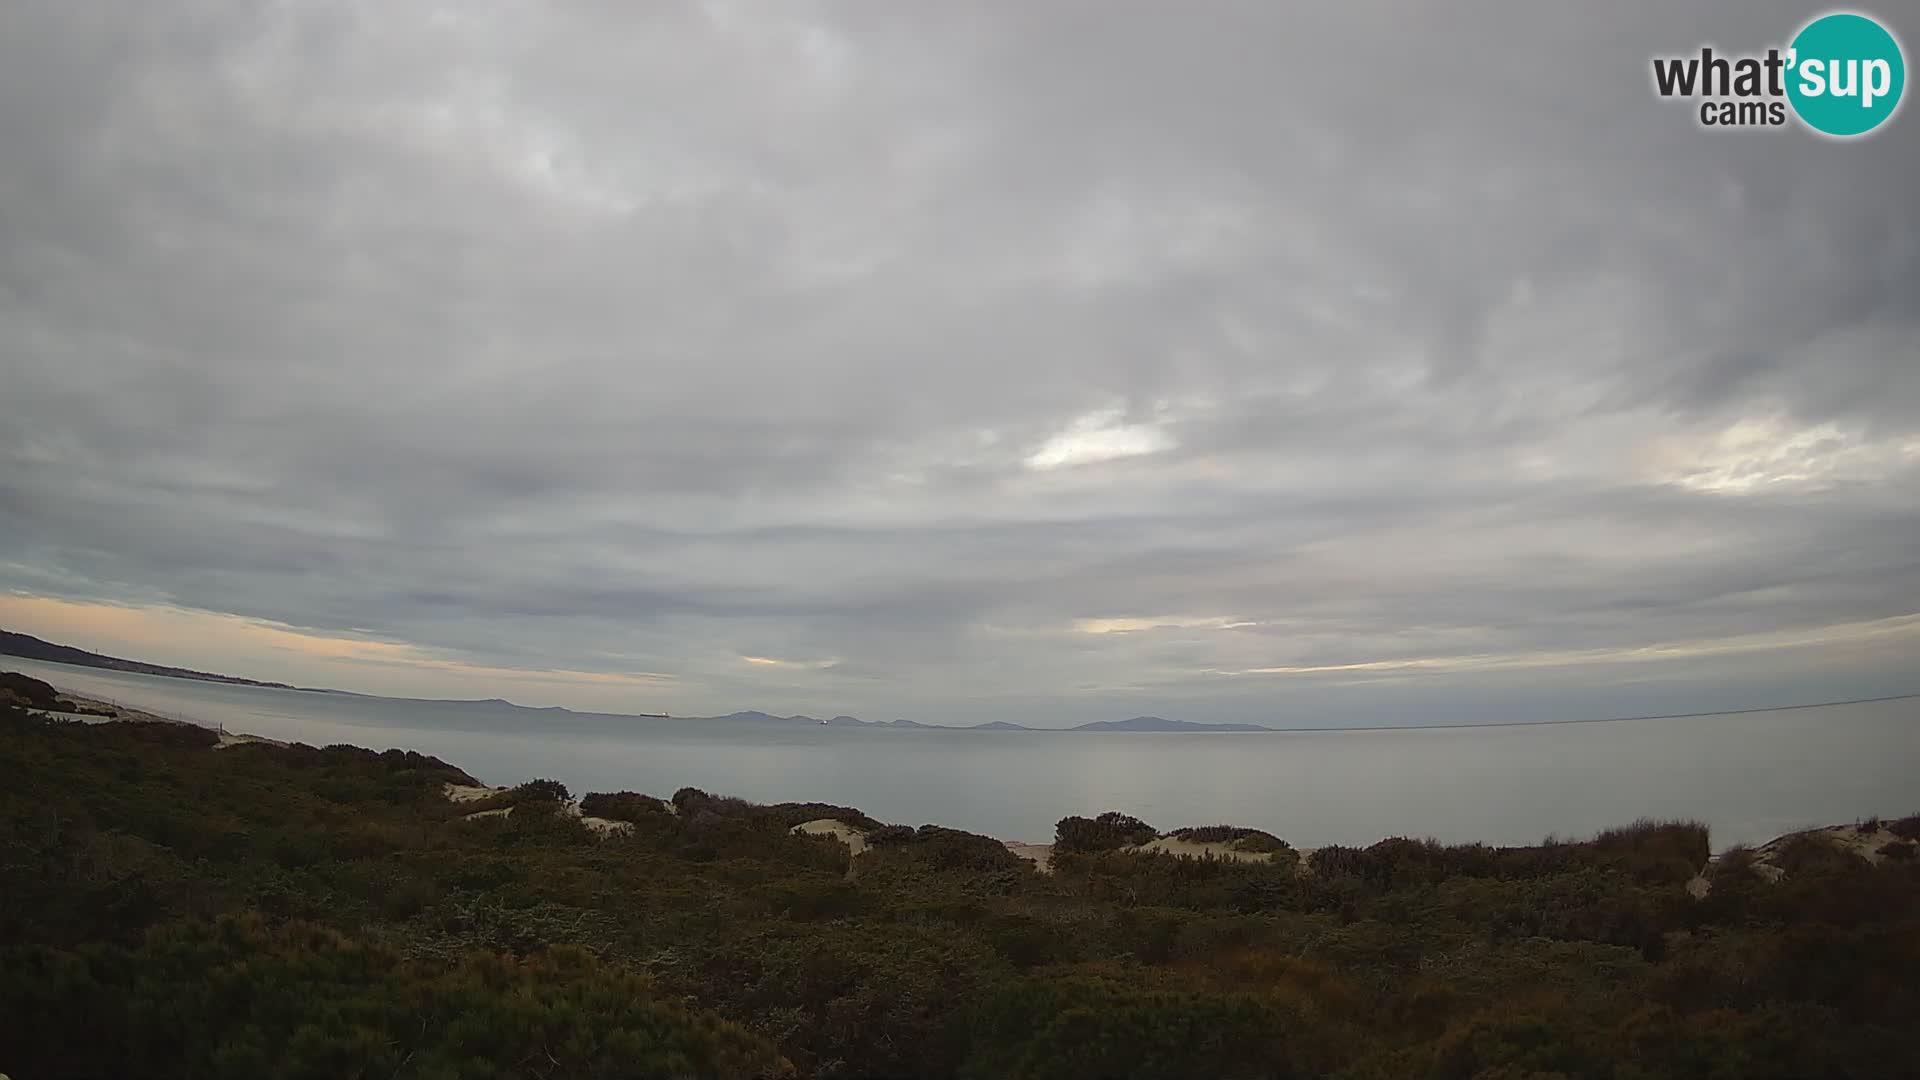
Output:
(1141, 725)
(1855, 838)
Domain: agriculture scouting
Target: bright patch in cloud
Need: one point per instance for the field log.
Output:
(791, 665)
(1159, 622)
(1770, 454)
(1098, 437)
(1859, 633)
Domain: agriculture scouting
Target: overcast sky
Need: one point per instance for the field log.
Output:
(1052, 362)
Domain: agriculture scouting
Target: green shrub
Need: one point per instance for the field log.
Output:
(1812, 854)
(1104, 833)
(622, 806)
(535, 791)
(1260, 843)
(29, 690)
(1069, 1029)
(238, 998)
(1253, 841)
(1664, 849)
(890, 836)
(694, 803)
(130, 859)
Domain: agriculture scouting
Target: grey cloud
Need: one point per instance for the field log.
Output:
(640, 339)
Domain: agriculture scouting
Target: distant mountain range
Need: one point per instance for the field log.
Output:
(32, 648)
(1138, 723)
(1156, 723)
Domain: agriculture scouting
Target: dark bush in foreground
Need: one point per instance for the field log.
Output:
(155, 733)
(1104, 833)
(402, 761)
(1648, 842)
(694, 803)
(1242, 839)
(540, 791)
(264, 910)
(1067, 1030)
(890, 835)
(242, 999)
(28, 690)
(622, 806)
(1805, 855)
(952, 849)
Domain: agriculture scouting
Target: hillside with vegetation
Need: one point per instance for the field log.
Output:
(172, 909)
(32, 648)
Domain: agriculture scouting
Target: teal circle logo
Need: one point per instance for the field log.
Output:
(1845, 74)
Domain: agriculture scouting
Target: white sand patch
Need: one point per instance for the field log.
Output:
(1040, 855)
(600, 825)
(1188, 849)
(226, 739)
(855, 839)
(607, 826)
(1765, 859)
(1847, 838)
(469, 793)
(466, 793)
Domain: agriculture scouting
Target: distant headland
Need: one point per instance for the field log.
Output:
(32, 648)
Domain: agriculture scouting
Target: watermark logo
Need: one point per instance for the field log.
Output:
(1841, 75)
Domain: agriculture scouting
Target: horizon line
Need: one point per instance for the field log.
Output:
(1246, 727)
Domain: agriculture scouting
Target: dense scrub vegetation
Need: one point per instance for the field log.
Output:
(1108, 832)
(622, 805)
(25, 691)
(171, 910)
(16, 688)
(1238, 837)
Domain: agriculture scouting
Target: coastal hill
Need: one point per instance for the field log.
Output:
(181, 901)
(32, 648)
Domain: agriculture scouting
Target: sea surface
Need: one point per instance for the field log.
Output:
(1750, 776)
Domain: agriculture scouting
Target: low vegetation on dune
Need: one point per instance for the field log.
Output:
(25, 691)
(290, 911)
(623, 805)
(1234, 836)
(1108, 832)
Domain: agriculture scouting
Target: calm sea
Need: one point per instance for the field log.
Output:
(1750, 776)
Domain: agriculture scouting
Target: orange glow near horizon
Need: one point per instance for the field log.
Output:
(258, 649)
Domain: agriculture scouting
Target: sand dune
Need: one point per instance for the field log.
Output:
(855, 839)
(1849, 838)
(1189, 849)
(466, 793)
(1040, 855)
